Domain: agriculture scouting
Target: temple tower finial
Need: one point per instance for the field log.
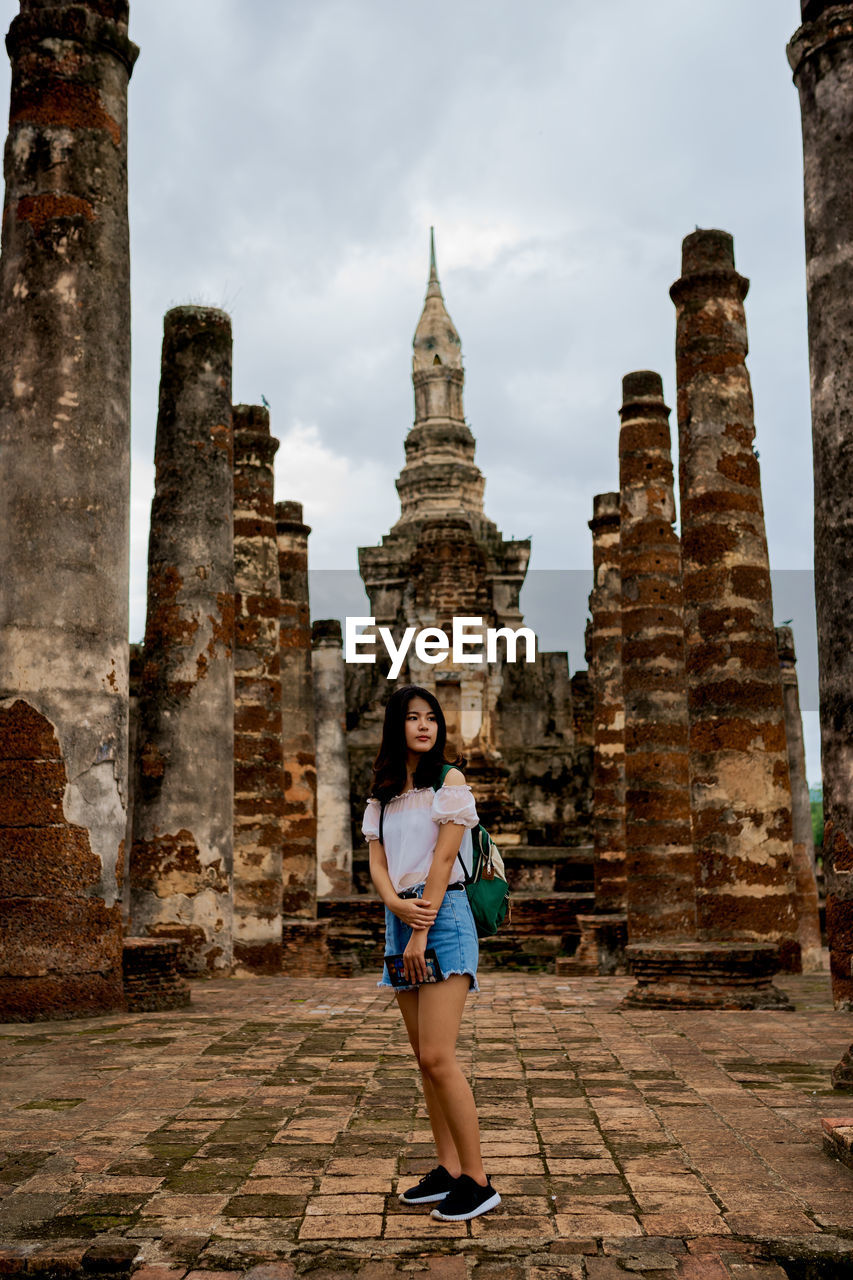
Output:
(436, 339)
(433, 287)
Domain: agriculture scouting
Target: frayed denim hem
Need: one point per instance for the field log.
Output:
(475, 986)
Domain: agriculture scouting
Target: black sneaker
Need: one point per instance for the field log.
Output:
(466, 1200)
(433, 1186)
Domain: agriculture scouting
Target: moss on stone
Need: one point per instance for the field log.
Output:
(51, 1104)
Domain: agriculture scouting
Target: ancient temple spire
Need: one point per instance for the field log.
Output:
(433, 268)
(440, 476)
(436, 339)
(441, 495)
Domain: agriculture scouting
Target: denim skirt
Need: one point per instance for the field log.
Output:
(452, 935)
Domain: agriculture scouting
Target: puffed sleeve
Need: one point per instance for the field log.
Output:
(455, 804)
(370, 825)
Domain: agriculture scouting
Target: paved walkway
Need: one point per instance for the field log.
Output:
(266, 1129)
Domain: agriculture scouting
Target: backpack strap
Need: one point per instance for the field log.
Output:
(445, 770)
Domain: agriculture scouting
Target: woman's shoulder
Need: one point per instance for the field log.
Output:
(454, 778)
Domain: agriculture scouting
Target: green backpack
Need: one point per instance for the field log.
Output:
(486, 886)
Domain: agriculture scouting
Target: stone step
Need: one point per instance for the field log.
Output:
(838, 1138)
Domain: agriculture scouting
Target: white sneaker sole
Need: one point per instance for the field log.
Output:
(423, 1199)
(491, 1203)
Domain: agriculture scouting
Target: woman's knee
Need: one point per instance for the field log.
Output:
(436, 1062)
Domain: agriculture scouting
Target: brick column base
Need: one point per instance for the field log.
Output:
(704, 975)
(152, 983)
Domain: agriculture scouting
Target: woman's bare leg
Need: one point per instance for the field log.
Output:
(444, 1144)
(439, 1008)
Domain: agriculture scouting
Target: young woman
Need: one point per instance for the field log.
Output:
(417, 836)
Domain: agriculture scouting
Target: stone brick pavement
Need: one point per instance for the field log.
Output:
(265, 1130)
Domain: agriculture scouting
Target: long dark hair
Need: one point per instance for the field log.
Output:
(389, 768)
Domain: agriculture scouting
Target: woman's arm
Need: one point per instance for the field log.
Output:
(446, 848)
(415, 912)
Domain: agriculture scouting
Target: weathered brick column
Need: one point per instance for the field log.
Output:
(258, 766)
(808, 911)
(608, 815)
(741, 791)
(821, 55)
(299, 850)
(672, 967)
(183, 826)
(659, 849)
(608, 822)
(334, 818)
(65, 498)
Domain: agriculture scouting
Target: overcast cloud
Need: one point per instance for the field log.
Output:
(287, 160)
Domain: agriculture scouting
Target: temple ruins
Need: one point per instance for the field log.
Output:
(181, 864)
(65, 365)
(258, 761)
(445, 559)
(740, 786)
(652, 811)
(821, 56)
(601, 948)
(660, 861)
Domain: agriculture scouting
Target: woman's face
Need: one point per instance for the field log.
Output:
(421, 726)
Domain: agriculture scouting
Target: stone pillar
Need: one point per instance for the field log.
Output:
(808, 912)
(258, 768)
(596, 952)
(608, 822)
(299, 850)
(183, 827)
(334, 820)
(741, 791)
(821, 54)
(659, 849)
(64, 489)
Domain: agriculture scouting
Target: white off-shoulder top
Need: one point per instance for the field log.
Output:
(410, 830)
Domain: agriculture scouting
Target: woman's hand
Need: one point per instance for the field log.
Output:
(415, 912)
(414, 964)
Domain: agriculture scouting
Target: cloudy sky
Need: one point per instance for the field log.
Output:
(287, 160)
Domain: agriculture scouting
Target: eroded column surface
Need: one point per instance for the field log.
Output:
(659, 848)
(741, 791)
(299, 848)
(808, 911)
(183, 828)
(258, 766)
(134, 686)
(334, 821)
(821, 55)
(64, 490)
(608, 819)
